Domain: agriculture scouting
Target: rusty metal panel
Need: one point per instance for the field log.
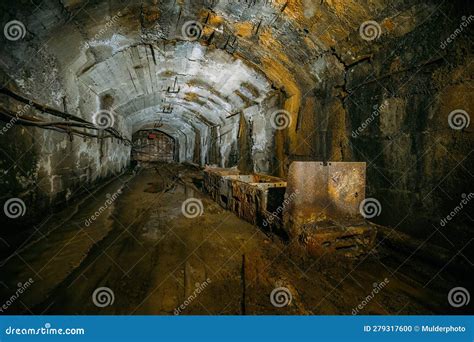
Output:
(324, 216)
(346, 188)
(245, 200)
(216, 185)
(325, 191)
(309, 181)
(330, 237)
(246, 195)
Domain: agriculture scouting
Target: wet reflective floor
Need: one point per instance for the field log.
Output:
(151, 242)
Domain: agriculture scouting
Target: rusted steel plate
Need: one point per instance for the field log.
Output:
(309, 181)
(348, 240)
(249, 196)
(216, 185)
(324, 216)
(346, 188)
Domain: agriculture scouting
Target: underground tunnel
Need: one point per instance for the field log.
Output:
(220, 157)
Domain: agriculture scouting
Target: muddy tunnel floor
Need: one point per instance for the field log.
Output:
(150, 258)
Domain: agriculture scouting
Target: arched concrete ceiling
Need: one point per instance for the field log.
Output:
(179, 78)
(137, 47)
(243, 53)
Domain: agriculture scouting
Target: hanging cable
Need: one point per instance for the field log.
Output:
(60, 126)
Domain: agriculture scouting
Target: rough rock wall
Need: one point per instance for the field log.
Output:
(387, 102)
(45, 168)
(419, 164)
